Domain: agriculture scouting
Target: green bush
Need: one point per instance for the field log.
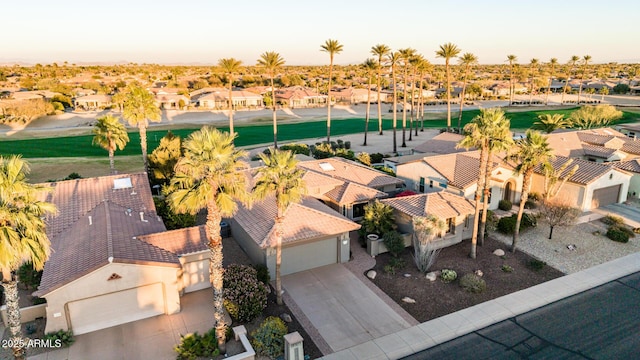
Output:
(613, 220)
(194, 346)
(262, 273)
(29, 276)
(615, 233)
(389, 269)
(473, 283)
(394, 242)
(507, 268)
(170, 219)
(268, 339)
(376, 158)
(296, 148)
(386, 170)
(534, 196)
(507, 224)
(448, 275)
(530, 204)
(505, 205)
(244, 296)
(537, 265)
(64, 337)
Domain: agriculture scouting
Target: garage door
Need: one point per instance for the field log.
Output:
(309, 256)
(605, 196)
(195, 275)
(116, 308)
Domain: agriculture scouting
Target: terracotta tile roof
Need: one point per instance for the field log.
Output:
(297, 92)
(443, 143)
(566, 143)
(347, 170)
(631, 165)
(442, 204)
(349, 193)
(599, 151)
(313, 180)
(461, 170)
(305, 221)
(588, 171)
(181, 241)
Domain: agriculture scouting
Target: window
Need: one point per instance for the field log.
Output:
(442, 185)
(430, 183)
(358, 210)
(421, 185)
(451, 226)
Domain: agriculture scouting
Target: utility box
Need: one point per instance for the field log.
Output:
(293, 349)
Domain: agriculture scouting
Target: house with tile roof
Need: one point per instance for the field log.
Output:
(315, 235)
(112, 260)
(296, 97)
(92, 102)
(458, 173)
(241, 99)
(456, 211)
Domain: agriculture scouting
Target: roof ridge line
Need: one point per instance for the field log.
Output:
(109, 234)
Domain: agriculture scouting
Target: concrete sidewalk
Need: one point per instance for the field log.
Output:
(344, 311)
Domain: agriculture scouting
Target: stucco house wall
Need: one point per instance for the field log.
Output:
(463, 229)
(253, 251)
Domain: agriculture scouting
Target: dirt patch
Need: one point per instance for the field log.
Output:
(435, 299)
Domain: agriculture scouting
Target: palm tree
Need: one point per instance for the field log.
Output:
(574, 59)
(512, 61)
(415, 62)
(467, 60)
(271, 61)
(22, 237)
(406, 55)
(332, 47)
(140, 108)
(230, 66)
(448, 51)
(110, 135)
(534, 149)
(423, 66)
(369, 65)
(585, 62)
(280, 175)
(381, 51)
(210, 176)
(551, 122)
(533, 64)
(394, 59)
(553, 62)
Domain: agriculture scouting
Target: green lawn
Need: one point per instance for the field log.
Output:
(80, 146)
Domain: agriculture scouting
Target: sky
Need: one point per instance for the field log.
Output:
(202, 32)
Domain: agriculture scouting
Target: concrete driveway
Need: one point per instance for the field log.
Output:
(343, 310)
(152, 338)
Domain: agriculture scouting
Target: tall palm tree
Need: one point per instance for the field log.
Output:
(140, 108)
(585, 62)
(467, 60)
(370, 65)
(424, 66)
(210, 176)
(393, 59)
(381, 51)
(230, 66)
(533, 65)
(573, 61)
(280, 176)
(332, 47)
(406, 55)
(271, 61)
(448, 51)
(553, 62)
(23, 237)
(415, 63)
(551, 122)
(500, 139)
(110, 135)
(512, 62)
(534, 149)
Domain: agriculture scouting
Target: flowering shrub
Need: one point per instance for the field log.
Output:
(268, 339)
(244, 296)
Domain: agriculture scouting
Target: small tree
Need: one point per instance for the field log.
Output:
(558, 213)
(425, 229)
(588, 117)
(164, 158)
(378, 218)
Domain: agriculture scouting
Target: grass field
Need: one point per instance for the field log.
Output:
(80, 146)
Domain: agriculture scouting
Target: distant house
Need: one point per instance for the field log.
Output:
(299, 97)
(443, 143)
(172, 101)
(242, 99)
(80, 92)
(357, 96)
(93, 102)
(33, 95)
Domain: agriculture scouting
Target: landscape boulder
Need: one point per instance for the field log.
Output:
(498, 252)
(371, 274)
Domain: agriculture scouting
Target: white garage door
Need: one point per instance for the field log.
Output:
(309, 256)
(116, 308)
(195, 275)
(605, 196)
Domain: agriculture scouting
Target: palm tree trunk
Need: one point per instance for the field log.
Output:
(526, 179)
(142, 127)
(511, 84)
(212, 229)
(531, 91)
(421, 102)
(231, 107)
(279, 231)
(550, 231)
(395, 110)
(404, 109)
(546, 99)
(485, 202)
(10, 285)
(448, 95)
(112, 163)
(464, 87)
(329, 102)
(275, 117)
(476, 217)
(379, 102)
(413, 104)
(367, 112)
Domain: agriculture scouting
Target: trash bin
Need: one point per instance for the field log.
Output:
(225, 230)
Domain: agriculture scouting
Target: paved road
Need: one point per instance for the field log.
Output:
(343, 309)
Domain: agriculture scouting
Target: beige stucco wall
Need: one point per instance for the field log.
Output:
(96, 283)
(463, 229)
(634, 186)
(253, 251)
(199, 261)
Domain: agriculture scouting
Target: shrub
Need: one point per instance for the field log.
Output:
(473, 283)
(268, 338)
(448, 275)
(376, 158)
(530, 204)
(389, 269)
(364, 158)
(396, 263)
(394, 242)
(492, 221)
(386, 170)
(505, 205)
(171, 219)
(64, 337)
(194, 346)
(536, 264)
(626, 230)
(378, 219)
(347, 145)
(617, 234)
(507, 224)
(534, 196)
(29, 276)
(344, 153)
(636, 230)
(262, 273)
(612, 220)
(507, 268)
(244, 296)
(296, 148)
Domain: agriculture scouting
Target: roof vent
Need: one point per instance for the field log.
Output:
(123, 183)
(326, 166)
